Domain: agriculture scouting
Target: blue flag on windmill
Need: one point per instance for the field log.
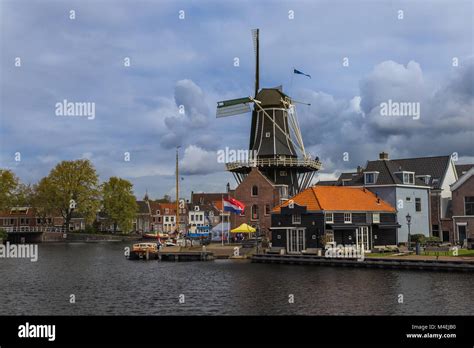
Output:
(300, 73)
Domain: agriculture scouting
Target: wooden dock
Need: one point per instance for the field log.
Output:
(185, 256)
(368, 262)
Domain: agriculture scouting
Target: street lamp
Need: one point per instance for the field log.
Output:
(408, 217)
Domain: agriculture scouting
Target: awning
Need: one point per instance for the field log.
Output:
(244, 228)
(389, 226)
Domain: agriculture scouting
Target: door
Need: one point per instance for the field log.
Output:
(462, 233)
(296, 240)
(362, 238)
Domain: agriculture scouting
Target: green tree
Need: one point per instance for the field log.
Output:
(119, 203)
(8, 186)
(43, 200)
(72, 186)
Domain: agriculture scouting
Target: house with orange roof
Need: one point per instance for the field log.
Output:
(344, 215)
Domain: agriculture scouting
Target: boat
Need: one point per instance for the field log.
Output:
(144, 251)
(156, 236)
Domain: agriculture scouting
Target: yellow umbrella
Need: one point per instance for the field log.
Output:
(244, 228)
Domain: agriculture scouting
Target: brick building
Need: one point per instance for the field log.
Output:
(463, 210)
(260, 196)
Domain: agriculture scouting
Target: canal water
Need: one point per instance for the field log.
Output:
(105, 283)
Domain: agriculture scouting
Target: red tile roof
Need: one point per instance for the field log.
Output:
(338, 198)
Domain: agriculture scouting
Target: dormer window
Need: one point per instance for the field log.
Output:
(408, 178)
(370, 177)
(425, 178)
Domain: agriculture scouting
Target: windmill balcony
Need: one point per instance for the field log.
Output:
(306, 163)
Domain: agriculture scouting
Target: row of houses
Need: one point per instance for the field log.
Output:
(372, 204)
(204, 209)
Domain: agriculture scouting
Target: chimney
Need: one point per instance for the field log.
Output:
(383, 156)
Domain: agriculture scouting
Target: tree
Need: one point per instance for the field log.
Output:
(119, 203)
(43, 200)
(72, 186)
(8, 186)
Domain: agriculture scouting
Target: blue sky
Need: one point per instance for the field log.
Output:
(190, 62)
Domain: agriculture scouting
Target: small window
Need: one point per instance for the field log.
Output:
(267, 209)
(408, 178)
(157, 212)
(376, 218)
(418, 204)
(296, 218)
(192, 217)
(254, 190)
(329, 218)
(408, 199)
(267, 134)
(347, 218)
(254, 212)
(369, 178)
(469, 205)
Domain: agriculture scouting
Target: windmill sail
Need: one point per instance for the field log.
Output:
(233, 107)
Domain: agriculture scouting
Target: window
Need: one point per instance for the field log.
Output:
(267, 209)
(329, 218)
(254, 212)
(408, 199)
(167, 219)
(282, 172)
(418, 204)
(376, 218)
(347, 218)
(267, 134)
(408, 178)
(157, 212)
(192, 217)
(254, 190)
(469, 205)
(296, 218)
(370, 177)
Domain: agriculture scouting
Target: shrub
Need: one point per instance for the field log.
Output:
(418, 238)
(3, 234)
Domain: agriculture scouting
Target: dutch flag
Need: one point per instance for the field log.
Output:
(233, 205)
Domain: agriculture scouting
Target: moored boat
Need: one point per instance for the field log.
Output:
(144, 251)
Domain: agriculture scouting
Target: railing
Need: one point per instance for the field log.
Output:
(26, 229)
(281, 162)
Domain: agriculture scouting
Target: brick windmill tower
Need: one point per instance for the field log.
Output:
(276, 145)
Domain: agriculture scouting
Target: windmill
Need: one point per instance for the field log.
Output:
(276, 145)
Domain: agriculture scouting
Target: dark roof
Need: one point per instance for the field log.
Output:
(143, 207)
(462, 169)
(326, 183)
(435, 167)
(206, 198)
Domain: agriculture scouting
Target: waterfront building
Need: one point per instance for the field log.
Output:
(168, 212)
(142, 222)
(156, 217)
(344, 215)
(260, 195)
(463, 209)
(418, 187)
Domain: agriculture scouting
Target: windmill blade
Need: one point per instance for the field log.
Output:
(256, 47)
(233, 107)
